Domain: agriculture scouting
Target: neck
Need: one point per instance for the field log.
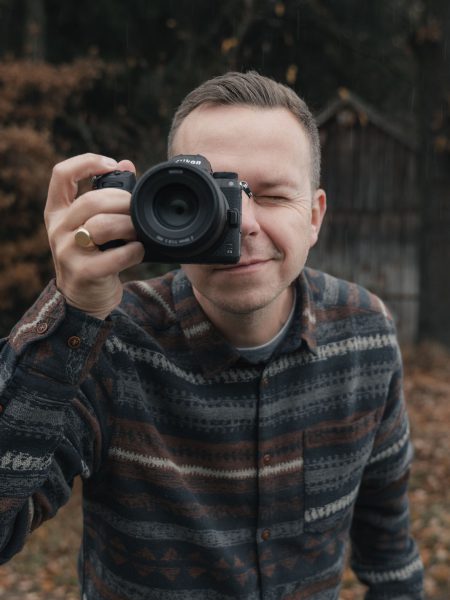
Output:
(253, 328)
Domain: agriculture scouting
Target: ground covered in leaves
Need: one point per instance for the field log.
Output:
(46, 568)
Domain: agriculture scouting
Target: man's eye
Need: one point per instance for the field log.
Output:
(264, 197)
(269, 199)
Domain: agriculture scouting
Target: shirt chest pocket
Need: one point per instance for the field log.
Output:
(335, 455)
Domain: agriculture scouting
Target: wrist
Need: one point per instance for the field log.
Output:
(97, 313)
(92, 305)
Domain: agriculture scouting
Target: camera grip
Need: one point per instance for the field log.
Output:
(125, 180)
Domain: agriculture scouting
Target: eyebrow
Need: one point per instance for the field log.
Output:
(270, 181)
(272, 184)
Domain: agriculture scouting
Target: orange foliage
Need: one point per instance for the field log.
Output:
(36, 93)
(33, 97)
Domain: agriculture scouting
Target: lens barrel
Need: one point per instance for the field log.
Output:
(178, 209)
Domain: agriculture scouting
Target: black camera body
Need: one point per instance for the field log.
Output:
(182, 211)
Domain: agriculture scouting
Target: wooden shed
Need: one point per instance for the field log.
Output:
(371, 232)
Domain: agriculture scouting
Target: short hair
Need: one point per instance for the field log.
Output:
(251, 89)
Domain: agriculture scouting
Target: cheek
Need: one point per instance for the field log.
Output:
(289, 230)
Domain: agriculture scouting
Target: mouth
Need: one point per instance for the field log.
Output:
(244, 265)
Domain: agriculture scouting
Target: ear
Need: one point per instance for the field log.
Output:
(319, 208)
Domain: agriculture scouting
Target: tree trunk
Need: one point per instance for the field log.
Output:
(34, 32)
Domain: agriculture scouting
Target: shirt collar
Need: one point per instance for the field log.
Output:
(210, 351)
(306, 310)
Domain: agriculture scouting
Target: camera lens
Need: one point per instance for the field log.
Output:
(175, 206)
(178, 210)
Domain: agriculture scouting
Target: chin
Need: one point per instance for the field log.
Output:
(241, 304)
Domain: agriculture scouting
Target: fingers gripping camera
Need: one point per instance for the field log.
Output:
(182, 211)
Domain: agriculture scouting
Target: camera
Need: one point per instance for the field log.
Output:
(182, 211)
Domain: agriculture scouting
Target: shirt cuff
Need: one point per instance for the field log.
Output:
(57, 340)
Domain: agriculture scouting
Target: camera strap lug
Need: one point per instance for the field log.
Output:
(246, 188)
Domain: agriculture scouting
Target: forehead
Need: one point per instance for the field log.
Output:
(238, 136)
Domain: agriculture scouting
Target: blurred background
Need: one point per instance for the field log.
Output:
(106, 77)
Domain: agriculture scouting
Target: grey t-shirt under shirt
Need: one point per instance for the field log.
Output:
(257, 354)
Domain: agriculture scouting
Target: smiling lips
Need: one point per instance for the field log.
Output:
(245, 266)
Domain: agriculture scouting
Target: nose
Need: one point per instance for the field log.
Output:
(249, 218)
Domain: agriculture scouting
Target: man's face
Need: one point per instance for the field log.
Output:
(269, 149)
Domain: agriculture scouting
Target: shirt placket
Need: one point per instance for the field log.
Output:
(280, 484)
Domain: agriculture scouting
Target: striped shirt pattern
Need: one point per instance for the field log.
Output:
(206, 477)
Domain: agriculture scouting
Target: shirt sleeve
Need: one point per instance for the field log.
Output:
(384, 556)
(49, 428)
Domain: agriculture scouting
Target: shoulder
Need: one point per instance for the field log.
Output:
(329, 291)
(346, 306)
(150, 300)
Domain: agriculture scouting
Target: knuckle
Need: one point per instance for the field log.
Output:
(86, 198)
(86, 205)
(90, 156)
(98, 222)
(59, 169)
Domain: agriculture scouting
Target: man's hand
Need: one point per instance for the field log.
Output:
(88, 277)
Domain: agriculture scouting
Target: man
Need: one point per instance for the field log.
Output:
(234, 426)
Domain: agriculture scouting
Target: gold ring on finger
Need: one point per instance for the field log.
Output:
(83, 238)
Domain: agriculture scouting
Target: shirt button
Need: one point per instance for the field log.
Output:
(265, 535)
(265, 381)
(41, 327)
(267, 459)
(74, 342)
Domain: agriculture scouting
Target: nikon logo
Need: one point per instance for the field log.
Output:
(190, 161)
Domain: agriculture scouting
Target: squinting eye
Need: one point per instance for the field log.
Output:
(269, 199)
